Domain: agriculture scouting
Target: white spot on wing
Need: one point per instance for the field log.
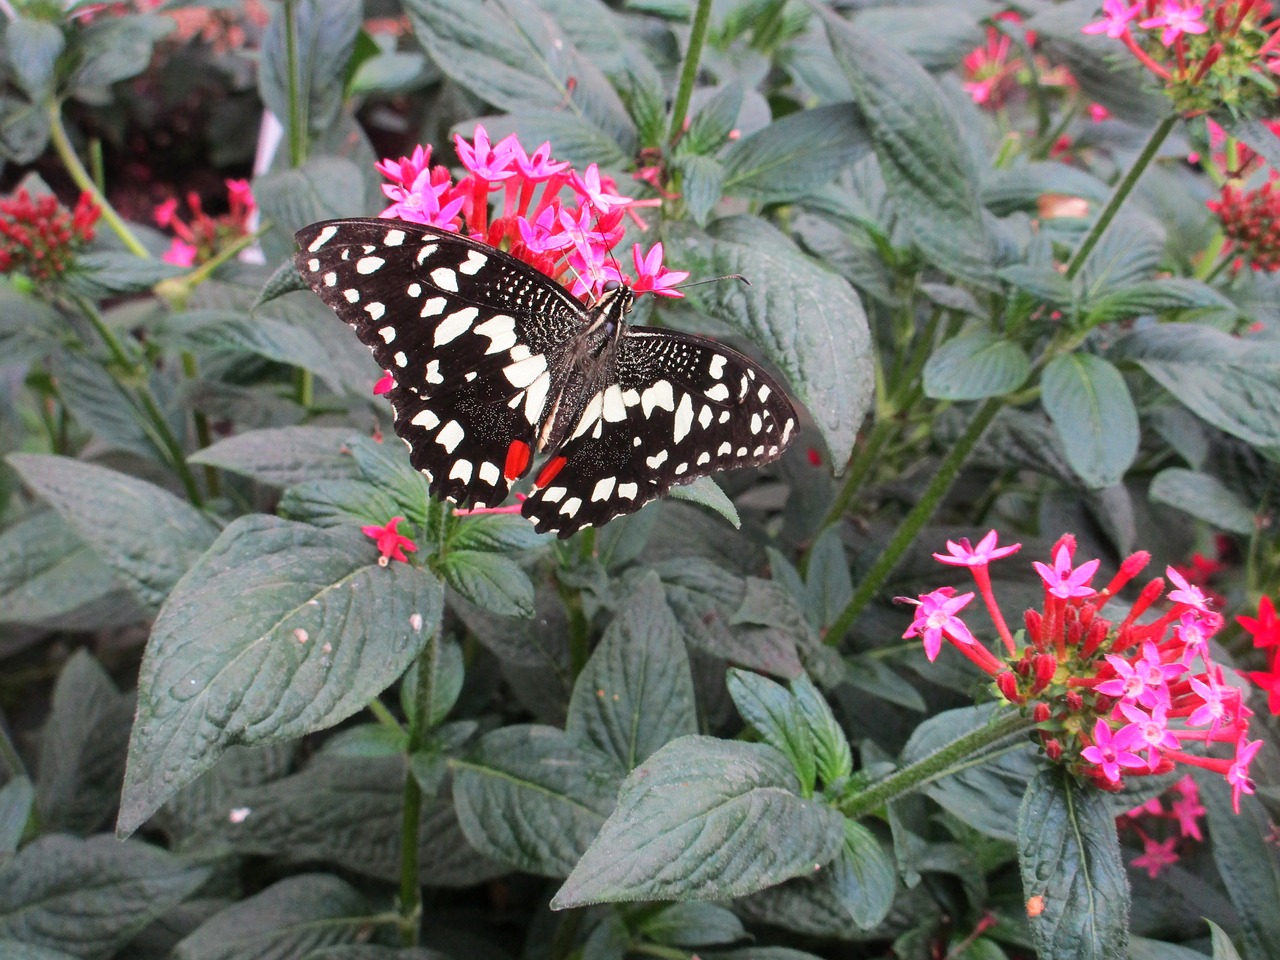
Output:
(313, 265)
(763, 393)
(523, 374)
(590, 415)
(393, 238)
(353, 295)
(717, 366)
(433, 372)
(375, 311)
(536, 398)
(756, 423)
(657, 460)
(553, 494)
(614, 408)
(628, 491)
(501, 331)
(461, 470)
(426, 250)
(658, 395)
(414, 290)
(387, 333)
(400, 359)
(704, 417)
(368, 265)
(450, 435)
(684, 418)
(725, 449)
(432, 307)
(704, 458)
(446, 279)
(490, 473)
(323, 237)
(475, 260)
(331, 279)
(455, 325)
(425, 418)
(719, 393)
(603, 488)
(570, 507)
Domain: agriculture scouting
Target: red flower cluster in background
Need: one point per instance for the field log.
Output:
(1251, 222)
(1109, 699)
(1265, 630)
(200, 238)
(40, 237)
(533, 222)
(1151, 822)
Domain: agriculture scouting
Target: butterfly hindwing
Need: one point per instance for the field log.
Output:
(475, 340)
(674, 408)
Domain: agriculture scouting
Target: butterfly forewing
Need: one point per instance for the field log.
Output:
(677, 407)
(475, 340)
(492, 359)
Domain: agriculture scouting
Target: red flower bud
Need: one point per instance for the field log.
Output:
(1075, 702)
(1046, 666)
(1007, 684)
(1053, 749)
(1040, 713)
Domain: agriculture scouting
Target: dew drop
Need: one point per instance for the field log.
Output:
(239, 814)
(415, 621)
(192, 684)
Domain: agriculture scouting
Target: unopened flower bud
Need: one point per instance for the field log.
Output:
(1040, 713)
(1053, 749)
(1007, 684)
(1046, 665)
(1075, 702)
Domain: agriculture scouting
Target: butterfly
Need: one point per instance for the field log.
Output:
(496, 365)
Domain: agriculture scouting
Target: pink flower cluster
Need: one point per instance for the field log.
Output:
(199, 238)
(1109, 699)
(1152, 819)
(560, 221)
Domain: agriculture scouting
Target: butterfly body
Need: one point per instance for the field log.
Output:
(495, 364)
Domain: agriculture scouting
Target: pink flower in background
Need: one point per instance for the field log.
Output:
(1116, 15)
(1176, 20)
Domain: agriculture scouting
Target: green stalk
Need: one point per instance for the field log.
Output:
(410, 906)
(67, 154)
(204, 435)
(1120, 194)
(132, 377)
(297, 130)
(859, 467)
(911, 524)
(689, 72)
(972, 747)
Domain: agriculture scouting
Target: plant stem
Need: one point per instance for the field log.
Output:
(67, 154)
(689, 73)
(410, 890)
(383, 714)
(132, 377)
(948, 470)
(297, 131)
(859, 467)
(959, 753)
(1120, 194)
(204, 435)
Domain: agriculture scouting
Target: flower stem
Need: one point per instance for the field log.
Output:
(947, 472)
(859, 467)
(966, 750)
(1120, 194)
(67, 154)
(689, 73)
(297, 131)
(204, 435)
(410, 905)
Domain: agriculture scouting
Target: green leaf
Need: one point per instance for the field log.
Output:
(863, 876)
(47, 572)
(1069, 855)
(1232, 383)
(1090, 406)
(701, 184)
(32, 48)
(769, 709)
(496, 533)
(830, 745)
(987, 795)
(692, 925)
(447, 672)
(1203, 496)
(704, 819)
(333, 503)
(387, 73)
(288, 919)
(533, 796)
(100, 404)
(304, 618)
(573, 138)
(24, 130)
(514, 56)
(710, 127)
(808, 321)
(345, 810)
(919, 145)
(1128, 254)
(1041, 280)
(707, 493)
(1249, 866)
(975, 366)
(17, 802)
(82, 748)
(322, 188)
(13, 950)
(110, 273)
(115, 48)
(89, 897)
(1223, 948)
(324, 39)
(285, 279)
(282, 456)
(799, 153)
(152, 537)
(492, 582)
(1158, 296)
(636, 692)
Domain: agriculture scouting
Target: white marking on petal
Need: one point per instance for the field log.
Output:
(455, 325)
(393, 238)
(368, 265)
(323, 237)
(450, 435)
(425, 418)
(490, 473)
(658, 395)
(657, 460)
(628, 491)
(684, 418)
(471, 266)
(446, 279)
(461, 471)
(603, 489)
(717, 366)
(501, 331)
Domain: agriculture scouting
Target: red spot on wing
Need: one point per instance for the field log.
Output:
(549, 471)
(517, 459)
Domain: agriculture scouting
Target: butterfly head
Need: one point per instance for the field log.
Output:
(608, 313)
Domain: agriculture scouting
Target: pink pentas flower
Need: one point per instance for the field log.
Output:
(936, 618)
(1186, 592)
(1116, 15)
(1175, 20)
(180, 253)
(1238, 772)
(488, 162)
(1213, 707)
(240, 197)
(1063, 581)
(391, 545)
(385, 383)
(544, 234)
(1151, 730)
(598, 192)
(1110, 751)
(652, 276)
(1156, 855)
(406, 170)
(538, 166)
(961, 554)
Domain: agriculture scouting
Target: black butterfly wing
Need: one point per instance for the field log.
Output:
(476, 341)
(681, 407)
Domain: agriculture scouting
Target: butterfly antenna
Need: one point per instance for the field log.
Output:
(727, 276)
